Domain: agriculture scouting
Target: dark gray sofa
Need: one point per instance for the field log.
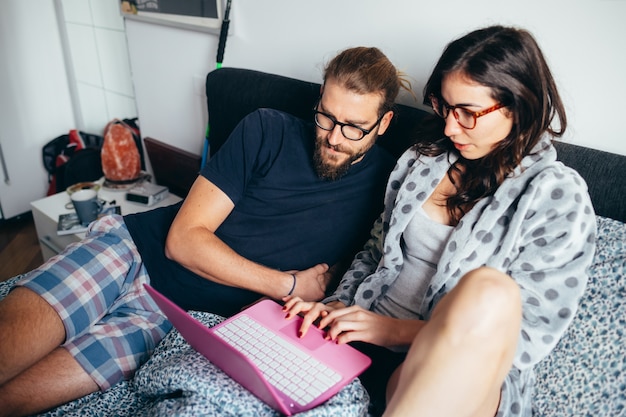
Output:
(584, 376)
(232, 93)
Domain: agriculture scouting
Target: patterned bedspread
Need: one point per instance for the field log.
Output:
(178, 381)
(584, 376)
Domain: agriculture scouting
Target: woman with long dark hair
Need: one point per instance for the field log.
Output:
(475, 268)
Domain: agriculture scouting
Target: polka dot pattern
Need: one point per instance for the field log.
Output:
(539, 227)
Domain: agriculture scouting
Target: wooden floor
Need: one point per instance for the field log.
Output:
(19, 248)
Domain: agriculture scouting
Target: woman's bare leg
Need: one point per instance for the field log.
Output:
(458, 361)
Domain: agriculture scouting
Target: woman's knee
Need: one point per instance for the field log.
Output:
(494, 292)
(485, 303)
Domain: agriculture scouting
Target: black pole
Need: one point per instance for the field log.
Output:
(221, 46)
(223, 35)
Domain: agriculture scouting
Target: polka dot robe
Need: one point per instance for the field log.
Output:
(539, 228)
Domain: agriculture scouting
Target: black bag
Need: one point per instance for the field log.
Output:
(84, 165)
(69, 161)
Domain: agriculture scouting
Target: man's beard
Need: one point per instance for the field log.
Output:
(328, 171)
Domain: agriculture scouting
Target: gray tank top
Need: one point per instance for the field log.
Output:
(422, 243)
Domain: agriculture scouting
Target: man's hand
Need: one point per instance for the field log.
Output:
(311, 283)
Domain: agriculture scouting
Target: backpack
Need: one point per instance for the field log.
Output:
(72, 158)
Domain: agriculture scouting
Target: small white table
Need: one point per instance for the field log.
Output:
(46, 213)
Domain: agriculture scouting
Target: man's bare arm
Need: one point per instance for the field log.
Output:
(192, 242)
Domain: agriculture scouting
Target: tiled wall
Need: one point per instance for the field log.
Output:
(98, 62)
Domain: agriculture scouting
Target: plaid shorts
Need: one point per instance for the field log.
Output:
(96, 286)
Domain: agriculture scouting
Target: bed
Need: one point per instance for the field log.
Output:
(585, 375)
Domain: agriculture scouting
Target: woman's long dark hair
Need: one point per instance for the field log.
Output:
(509, 62)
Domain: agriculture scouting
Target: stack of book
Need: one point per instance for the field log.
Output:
(69, 224)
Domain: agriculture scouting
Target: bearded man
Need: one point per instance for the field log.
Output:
(282, 203)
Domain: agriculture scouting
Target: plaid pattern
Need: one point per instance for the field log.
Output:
(96, 286)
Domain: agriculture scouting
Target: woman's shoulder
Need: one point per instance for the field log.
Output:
(560, 175)
(557, 188)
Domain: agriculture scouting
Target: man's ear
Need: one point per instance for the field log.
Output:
(385, 122)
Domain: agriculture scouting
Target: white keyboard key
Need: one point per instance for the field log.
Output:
(289, 369)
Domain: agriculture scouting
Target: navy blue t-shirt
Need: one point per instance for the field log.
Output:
(285, 217)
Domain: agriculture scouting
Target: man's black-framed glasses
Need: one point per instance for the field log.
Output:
(351, 132)
(464, 117)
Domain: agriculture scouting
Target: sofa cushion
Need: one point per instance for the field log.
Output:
(608, 193)
(586, 374)
(232, 93)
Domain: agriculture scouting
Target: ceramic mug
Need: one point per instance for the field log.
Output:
(87, 205)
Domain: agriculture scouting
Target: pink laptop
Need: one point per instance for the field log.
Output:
(261, 350)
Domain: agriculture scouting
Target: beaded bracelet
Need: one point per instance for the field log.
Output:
(293, 287)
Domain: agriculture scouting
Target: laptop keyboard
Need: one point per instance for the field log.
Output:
(289, 369)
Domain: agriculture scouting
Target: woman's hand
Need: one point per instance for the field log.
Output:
(312, 311)
(354, 323)
(351, 324)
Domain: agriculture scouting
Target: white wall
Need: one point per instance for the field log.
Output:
(63, 65)
(35, 104)
(169, 66)
(98, 66)
(582, 40)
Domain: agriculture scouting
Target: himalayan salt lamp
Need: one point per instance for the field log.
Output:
(120, 157)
